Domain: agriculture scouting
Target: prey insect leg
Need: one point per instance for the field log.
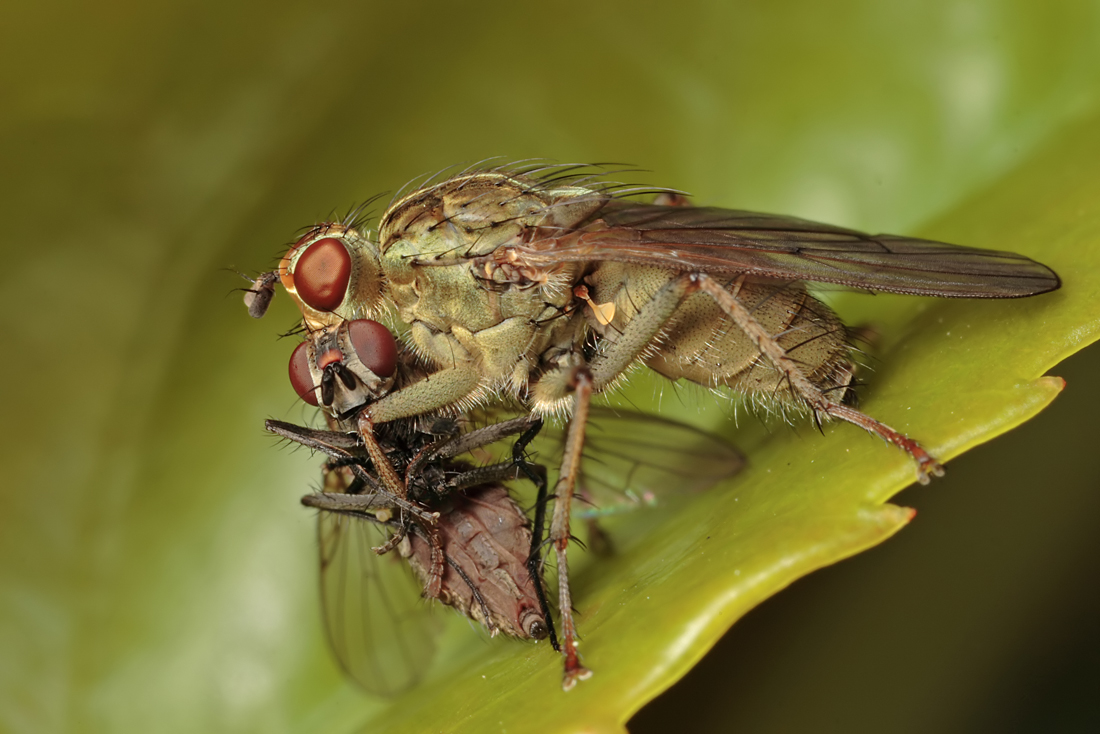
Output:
(537, 474)
(478, 598)
(360, 505)
(449, 448)
(801, 385)
(343, 449)
(502, 472)
(353, 504)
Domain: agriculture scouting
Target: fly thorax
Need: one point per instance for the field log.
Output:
(435, 293)
(463, 217)
(500, 348)
(438, 348)
(569, 207)
(400, 272)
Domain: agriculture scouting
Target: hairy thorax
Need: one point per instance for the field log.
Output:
(459, 309)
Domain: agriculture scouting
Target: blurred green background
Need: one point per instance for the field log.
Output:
(146, 146)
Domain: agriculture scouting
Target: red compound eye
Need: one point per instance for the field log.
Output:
(300, 377)
(322, 274)
(375, 346)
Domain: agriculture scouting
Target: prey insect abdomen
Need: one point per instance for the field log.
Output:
(485, 536)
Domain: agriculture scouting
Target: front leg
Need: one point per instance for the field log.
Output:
(438, 390)
(448, 448)
(443, 389)
(537, 474)
(345, 451)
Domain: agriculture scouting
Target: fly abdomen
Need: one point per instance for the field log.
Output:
(703, 344)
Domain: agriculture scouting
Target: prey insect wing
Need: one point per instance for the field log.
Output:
(381, 630)
(716, 240)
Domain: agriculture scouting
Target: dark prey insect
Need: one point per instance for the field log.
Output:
(473, 556)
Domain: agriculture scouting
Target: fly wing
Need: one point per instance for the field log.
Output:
(379, 627)
(717, 240)
(635, 460)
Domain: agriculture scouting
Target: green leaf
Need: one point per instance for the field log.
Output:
(156, 570)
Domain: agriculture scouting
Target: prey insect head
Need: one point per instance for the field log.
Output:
(342, 367)
(332, 269)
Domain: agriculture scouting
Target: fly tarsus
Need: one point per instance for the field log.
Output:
(927, 465)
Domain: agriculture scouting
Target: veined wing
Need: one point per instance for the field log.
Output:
(717, 240)
(381, 630)
(635, 460)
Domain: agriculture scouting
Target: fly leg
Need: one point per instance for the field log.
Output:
(439, 390)
(559, 524)
(800, 383)
(518, 467)
(396, 486)
(435, 571)
(363, 505)
(582, 381)
(442, 389)
(638, 334)
(644, 327)
(477, 597)
(526, 425)
(392, 482)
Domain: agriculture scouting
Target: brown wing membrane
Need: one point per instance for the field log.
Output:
(770, 246)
